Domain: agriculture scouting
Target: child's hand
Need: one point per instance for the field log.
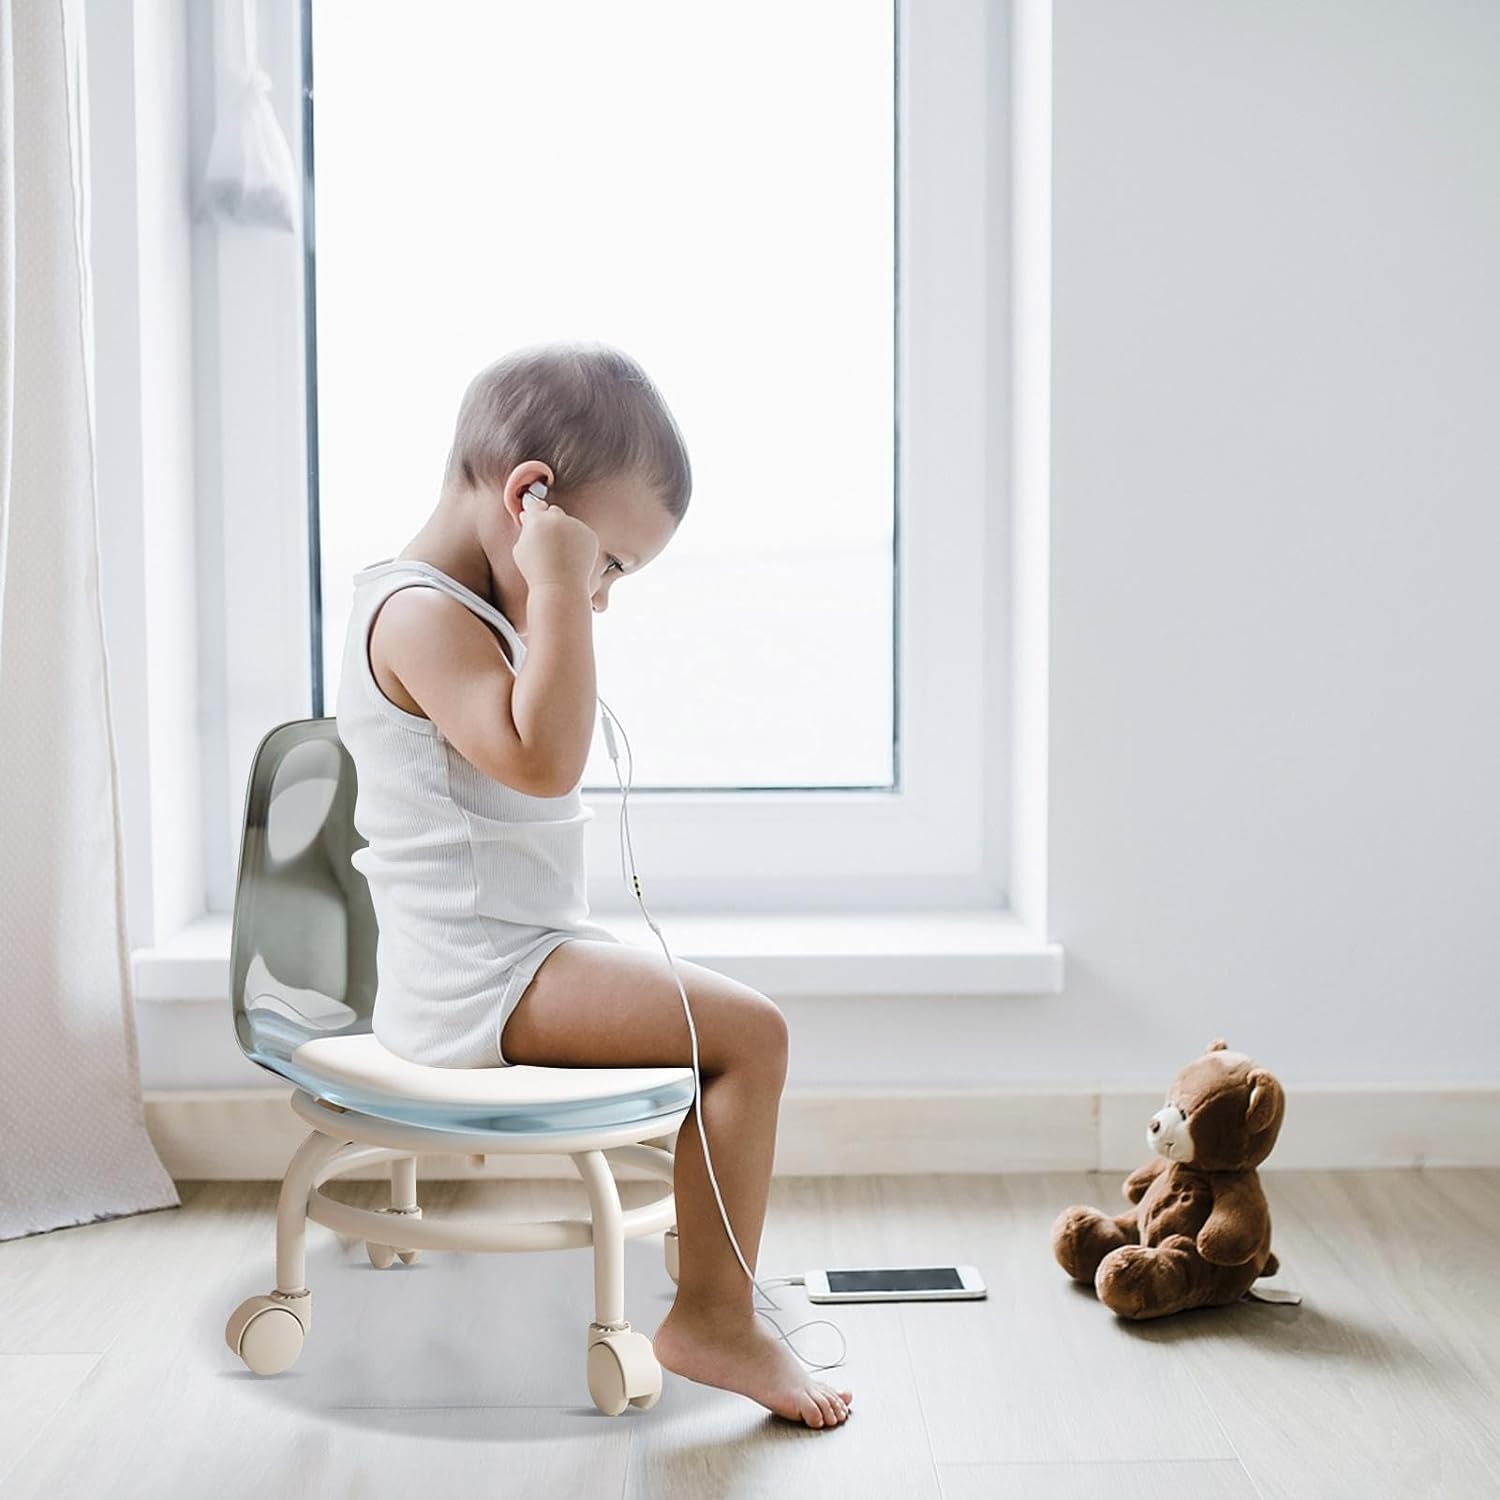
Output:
(554, 547)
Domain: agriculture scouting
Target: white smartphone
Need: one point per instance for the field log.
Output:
(894, 1284)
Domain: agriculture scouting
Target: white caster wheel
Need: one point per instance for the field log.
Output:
(623, 1372)
(669, 1245)
(266, 1334)
(382, 1256)
(650, 1399)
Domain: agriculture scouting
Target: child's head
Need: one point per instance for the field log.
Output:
(585, 419)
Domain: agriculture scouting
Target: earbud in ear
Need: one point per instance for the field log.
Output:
(534, 495)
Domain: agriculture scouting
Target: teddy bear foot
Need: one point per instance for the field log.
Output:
(1139, 1282)
(1082, 1237)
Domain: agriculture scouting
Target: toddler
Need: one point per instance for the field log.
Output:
(467, 702)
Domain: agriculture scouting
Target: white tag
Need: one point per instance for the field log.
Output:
(1277, 1294)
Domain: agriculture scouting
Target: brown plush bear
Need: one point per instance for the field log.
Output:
(1200, 1232)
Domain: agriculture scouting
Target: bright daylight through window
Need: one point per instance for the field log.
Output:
(710, 188)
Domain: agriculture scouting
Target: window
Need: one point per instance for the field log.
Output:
(838, 184)
(715, 198)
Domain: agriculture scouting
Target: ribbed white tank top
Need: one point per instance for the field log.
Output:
(447, 843)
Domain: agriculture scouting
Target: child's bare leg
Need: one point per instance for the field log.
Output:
(595, 1004)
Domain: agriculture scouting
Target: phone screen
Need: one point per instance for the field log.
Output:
(899, 1279)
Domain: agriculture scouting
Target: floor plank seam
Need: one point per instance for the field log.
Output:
(629, 1465)
(47, 1424)
(1085, 1463)
(916, 1386)
(578, 1406)
(1234, 1448)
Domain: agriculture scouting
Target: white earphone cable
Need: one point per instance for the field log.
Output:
(537, 496)
(633, 880)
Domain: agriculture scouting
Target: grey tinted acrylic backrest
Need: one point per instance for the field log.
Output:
(302, 957)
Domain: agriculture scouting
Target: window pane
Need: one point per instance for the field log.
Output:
(710, 188)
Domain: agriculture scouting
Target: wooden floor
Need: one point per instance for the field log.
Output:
(464, 1374)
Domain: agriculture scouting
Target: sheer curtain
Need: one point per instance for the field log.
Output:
(73, 1142)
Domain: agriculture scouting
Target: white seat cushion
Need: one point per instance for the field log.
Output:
(360, 1065)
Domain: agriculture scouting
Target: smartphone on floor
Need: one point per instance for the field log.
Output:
(894, 1284)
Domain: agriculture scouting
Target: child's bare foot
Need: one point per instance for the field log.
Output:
(735, 1352)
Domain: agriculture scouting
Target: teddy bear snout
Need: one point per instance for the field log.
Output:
(1167, 1134)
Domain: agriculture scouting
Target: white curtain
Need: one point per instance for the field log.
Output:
(73, 1142)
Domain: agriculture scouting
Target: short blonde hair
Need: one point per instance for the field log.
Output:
(585, 408)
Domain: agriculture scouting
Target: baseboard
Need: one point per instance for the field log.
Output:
(250, 1134)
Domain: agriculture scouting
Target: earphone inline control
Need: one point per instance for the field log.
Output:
(535, 496)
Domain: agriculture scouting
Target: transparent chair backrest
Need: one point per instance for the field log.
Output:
(302, 959)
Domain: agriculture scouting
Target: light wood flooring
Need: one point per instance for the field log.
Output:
(464, 1374)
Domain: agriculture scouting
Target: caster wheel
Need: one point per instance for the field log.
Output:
(623, 1371)
(266, 1334)
(669, 1246)
(382, 1256)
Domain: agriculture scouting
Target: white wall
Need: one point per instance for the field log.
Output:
(1275, 524)
(1276, 467)
(1275, 728)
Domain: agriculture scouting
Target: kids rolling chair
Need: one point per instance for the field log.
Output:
(303, 983)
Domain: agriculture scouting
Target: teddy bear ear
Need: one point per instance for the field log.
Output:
(1265, 1100)
(1217, 1045)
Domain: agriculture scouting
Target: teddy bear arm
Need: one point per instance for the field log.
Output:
(1140, 1180)
(1239, 1223)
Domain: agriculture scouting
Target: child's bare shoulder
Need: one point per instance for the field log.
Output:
(424, 638)
(433, 656)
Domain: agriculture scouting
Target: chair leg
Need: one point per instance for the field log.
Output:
(403, 1204)
(668, 1143)
(622, 1365)
(291, 1211)
(404, 1197)
(267, 1332)
(609, 1238)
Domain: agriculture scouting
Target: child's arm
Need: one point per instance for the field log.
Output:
(555, 701)
(447, 660)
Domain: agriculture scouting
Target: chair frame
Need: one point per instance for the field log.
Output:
(262, 1332)
(267, 1331)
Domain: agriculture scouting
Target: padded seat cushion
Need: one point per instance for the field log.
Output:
(362, 1062)
(357, 1071)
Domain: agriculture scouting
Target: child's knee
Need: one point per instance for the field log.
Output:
(739, 1028)
(766, 1034)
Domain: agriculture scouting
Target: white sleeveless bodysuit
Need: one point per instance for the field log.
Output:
(473, 883)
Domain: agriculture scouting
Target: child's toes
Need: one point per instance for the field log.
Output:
(812, 1413)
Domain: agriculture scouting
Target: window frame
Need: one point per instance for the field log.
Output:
(940, 841)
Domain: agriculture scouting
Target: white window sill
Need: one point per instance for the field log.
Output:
(884, 953)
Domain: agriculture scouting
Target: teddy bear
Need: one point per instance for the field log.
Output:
(1199, 1233)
